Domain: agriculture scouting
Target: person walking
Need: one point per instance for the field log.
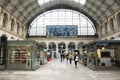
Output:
(76, 59)
(67, 57)
(70, 58)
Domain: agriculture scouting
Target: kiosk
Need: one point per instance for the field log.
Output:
(102, 54)
(23, 55)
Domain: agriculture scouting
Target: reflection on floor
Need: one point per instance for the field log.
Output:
(56, 70)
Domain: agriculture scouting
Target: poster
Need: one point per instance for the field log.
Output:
(61, 31)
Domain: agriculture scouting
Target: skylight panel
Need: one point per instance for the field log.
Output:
(41, 2)
(81, 1)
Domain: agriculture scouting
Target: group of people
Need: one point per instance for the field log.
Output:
(71, 57)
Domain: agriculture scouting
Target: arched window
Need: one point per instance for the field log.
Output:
(112, 24)
(12, 25)
(18, 28)
(62, 17)
(5, 20)
(118, 19)
(62, 46)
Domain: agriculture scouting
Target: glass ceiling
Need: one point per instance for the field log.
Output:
(62, 17)
(41, 2)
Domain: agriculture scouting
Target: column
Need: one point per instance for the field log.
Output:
(109, 29)
(9, 23)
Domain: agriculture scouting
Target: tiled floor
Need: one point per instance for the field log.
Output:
(56, 70)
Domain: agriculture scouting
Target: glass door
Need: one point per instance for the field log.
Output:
(28, 59)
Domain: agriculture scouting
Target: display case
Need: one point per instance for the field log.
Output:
(17, 55)
(22, 55)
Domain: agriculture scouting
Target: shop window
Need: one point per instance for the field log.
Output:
(118, 19)
(18, 55)
(112, 24)
(5, 20)
(105, 54)
(12, 25)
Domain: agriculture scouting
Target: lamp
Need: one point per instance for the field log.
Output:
(103, 48)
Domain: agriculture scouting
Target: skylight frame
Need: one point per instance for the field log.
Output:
(41, 2)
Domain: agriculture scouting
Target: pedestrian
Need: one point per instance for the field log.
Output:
(61, 57)
(70, 57)
(76, 59)
(67, 57)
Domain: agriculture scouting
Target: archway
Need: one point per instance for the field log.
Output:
(42, 46)
(80, 44)
(52, 46)
(61, 47)
(71, 46)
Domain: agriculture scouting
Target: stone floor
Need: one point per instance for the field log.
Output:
(56, 70)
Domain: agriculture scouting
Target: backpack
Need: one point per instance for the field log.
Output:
(70, 56)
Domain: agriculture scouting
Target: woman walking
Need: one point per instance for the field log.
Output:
(70, 57)
(76, 59)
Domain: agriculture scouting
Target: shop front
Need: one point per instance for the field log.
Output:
(104, 54)
(23, 55)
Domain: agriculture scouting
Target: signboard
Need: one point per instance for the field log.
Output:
(102, 43)
(62, 30)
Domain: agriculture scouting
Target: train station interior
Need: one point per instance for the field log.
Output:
(59, 39)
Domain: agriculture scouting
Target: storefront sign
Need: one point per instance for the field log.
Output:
(102, 43)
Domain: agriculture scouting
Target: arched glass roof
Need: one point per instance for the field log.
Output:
(27, 10)
(62, 17)
(41, 2)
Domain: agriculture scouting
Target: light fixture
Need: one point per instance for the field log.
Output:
(103, 48)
